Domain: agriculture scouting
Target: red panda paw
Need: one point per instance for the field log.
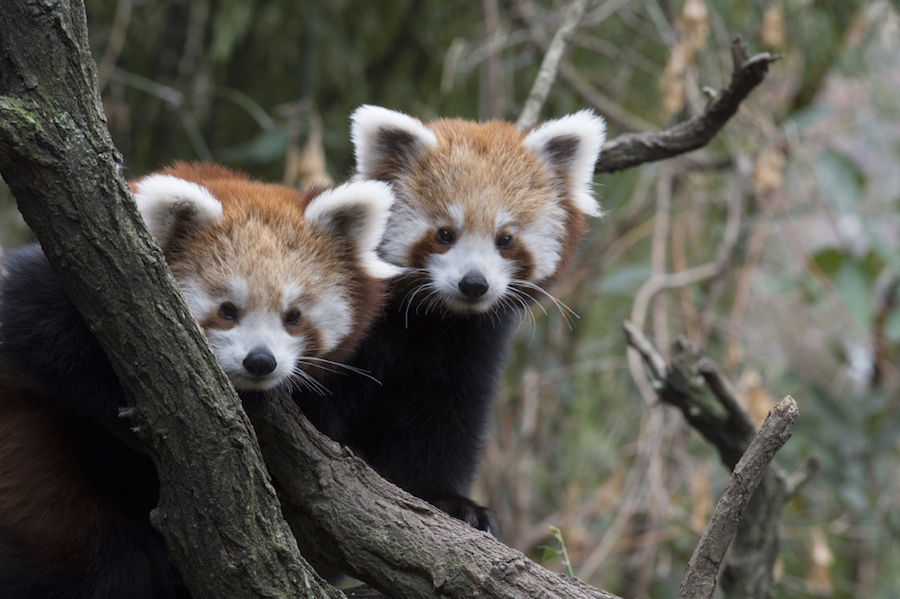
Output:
(476, 516)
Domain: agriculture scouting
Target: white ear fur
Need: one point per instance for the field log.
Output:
(165, 201)
(357, 210)
(381, 136)
(552, 142)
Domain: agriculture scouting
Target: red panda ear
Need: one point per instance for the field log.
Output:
(167, 203)
(570, 147)
(387, 143)
(358, 212)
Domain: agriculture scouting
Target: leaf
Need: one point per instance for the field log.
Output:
(830, 260)
(549, 553)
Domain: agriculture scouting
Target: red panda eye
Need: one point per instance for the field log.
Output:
(228, 311)
(504, 242)
(292, 317)
(445, 236)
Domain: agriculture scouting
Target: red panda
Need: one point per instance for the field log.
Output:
(486, 219)
(283, 283)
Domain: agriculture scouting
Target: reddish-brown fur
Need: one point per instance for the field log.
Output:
(487, 165)
(263, 229)
(45, 505)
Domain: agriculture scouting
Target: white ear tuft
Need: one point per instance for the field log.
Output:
(571, 145)
(386, 142)
(165, 201)
(357, 211)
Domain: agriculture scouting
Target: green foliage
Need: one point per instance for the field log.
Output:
(551, 553)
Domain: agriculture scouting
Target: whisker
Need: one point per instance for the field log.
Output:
(352, 369)
(309, 382)
(567, 313)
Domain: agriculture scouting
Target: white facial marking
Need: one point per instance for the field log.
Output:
(364, 206)
(543, 238)
(333, 318)
(369, 122)
(253, 329)
(590, 131)
(406, 222)
(164, 201)
(470, 254)
(256, 330)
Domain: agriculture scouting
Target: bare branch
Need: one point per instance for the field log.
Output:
(547, 75)
(632, 149)
(703, 569)
(709, 404)
(522, 12)
(652, 358)
(409, 536)
(722, 389)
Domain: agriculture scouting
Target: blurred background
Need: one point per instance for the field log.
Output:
(795, 204)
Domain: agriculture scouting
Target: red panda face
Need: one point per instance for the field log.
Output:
(486, 216)
(283, 284)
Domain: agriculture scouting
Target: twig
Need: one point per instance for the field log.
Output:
(522, 12)
(703, 569)
(632, 149)
(593, 97)
(174, 99)
(492, 63)
(722, 389)
(652, 358)
(696, 274)
(725, 424)
(658, 254)
(547, 74)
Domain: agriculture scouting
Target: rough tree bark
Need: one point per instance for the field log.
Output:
(695, 386)
(225, 531)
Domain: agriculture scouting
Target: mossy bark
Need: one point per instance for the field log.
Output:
(218, 511)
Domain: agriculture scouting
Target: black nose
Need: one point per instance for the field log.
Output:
(260, 361)
(473, 285)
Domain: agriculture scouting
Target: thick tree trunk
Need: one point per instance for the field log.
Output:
(218, 511)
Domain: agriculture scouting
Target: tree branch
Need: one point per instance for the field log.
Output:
(703, 568)
(547, 74)
(57, 158)
(715, 411)
(382, 535)
(632, 149)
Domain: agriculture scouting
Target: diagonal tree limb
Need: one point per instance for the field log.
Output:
(58, 159)
(638, 147)
(547, 74)
(695, 386)
(632, 149)
(703, 568)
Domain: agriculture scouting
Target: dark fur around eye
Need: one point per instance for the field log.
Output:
(445, 236)
(228, 311)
